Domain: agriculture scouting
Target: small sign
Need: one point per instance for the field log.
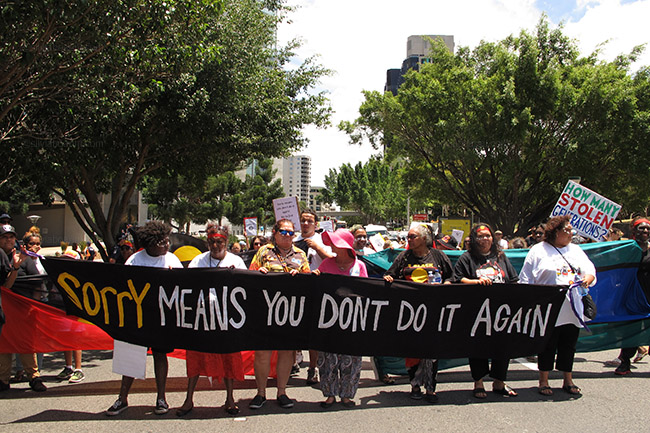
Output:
(327, 226)
(287, 207)
(420, 217)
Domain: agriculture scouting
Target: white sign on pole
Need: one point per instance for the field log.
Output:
(250, 226)
(287, 207)
(327, 226)
(591, 214)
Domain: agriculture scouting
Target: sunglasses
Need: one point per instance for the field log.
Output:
(411, 237)
(31, 244)
(256, 244)
(286, 232)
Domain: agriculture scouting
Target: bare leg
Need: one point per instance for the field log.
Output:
(313, 358)
(283, 369)
(479, 384)
(230, 394)
(125, 387)
(189, 398)
(77, 359)
(160, 366)
(543, 384)
(262, 367)
(68, 357)
(568, 381)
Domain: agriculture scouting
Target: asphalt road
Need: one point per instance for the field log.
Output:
(608, 404)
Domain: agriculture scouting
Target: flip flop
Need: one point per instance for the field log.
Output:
(182, 412)
(546, 391)
(232, 410)
(479, 393)
(505, 391)
(572, 389)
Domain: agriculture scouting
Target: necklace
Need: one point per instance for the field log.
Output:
(218, 262)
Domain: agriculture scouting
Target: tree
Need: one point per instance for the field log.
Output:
(373, 189)
(215, 197)
(190, 89)
(499, 129)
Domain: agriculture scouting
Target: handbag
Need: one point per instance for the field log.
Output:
(589, 306)
(588, 303)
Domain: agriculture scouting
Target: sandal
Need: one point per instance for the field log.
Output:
(388, 380)
(640, 354)
(505, 391)
(180, 412)
(479, 393)
(545, 391)
(572, 389)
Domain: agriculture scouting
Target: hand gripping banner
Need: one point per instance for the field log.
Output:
(224, 310)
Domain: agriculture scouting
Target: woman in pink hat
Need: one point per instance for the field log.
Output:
(340, 373)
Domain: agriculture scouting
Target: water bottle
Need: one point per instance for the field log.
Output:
(434, 277)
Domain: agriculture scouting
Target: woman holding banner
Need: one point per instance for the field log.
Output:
(421, 264)
(339, 374)
(556, 261)
(485, 264)
(280, 255)
(228, 365)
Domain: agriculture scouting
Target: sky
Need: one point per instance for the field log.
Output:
(360, 39)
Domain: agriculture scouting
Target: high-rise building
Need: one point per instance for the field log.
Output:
(417, 51)
(296, 176)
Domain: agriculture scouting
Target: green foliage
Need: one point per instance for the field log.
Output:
(373, 189)
(215, 197)
(498, 130)
(174, 90)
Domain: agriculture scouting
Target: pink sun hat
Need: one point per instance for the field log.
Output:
(342, 238)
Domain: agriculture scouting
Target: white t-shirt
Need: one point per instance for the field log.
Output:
(545, 266)
(205, 260)
(141, 258)
(503, 244)
(312, 256)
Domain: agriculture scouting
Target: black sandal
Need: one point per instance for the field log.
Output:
(505, 391)
(479, 393)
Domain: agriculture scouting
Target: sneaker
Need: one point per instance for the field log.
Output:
(312, 376)
(416, 394)
(285, 402)
(117, 408)
(36, 384)
(161, 407)
(613, 363)
(65, 373)
(257, 402)
(431, 398)
(77, 376)
(19, 377)
(623, 369)
(4, 386)
(295, 369)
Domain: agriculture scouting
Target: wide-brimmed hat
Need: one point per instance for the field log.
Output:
(342, 238)
(6, 228)
(446, 243)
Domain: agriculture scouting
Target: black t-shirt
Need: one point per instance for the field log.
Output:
(5, 267)
(408, 266)
(498, 269)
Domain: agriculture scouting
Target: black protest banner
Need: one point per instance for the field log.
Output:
(223, 310)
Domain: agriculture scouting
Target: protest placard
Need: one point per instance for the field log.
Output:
(591, 214)
(250, 226)
(287, 207)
